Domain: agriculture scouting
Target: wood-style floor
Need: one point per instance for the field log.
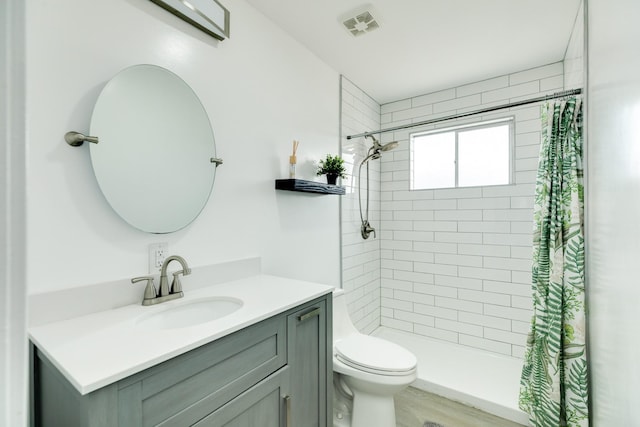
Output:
(414, 408)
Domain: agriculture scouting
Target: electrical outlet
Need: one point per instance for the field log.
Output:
(157, 254)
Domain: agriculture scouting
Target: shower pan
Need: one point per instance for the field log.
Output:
(374, 152)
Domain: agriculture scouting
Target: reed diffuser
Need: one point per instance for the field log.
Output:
(292, 160)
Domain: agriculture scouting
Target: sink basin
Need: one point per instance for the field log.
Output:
(190, 313)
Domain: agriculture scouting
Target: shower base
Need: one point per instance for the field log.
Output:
(477, 378)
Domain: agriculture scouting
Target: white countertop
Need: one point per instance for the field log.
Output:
(98, 349)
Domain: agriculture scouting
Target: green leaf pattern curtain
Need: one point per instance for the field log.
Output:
(553, 386)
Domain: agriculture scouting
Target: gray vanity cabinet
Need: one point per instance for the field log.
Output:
(274, 373)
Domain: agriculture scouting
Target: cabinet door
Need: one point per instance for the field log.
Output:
(309, 334)
(266, 405)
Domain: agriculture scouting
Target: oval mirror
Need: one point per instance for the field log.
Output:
(154, 159)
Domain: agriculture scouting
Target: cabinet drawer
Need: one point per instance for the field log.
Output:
(183, 390)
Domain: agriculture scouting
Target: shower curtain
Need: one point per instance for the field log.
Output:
(553, 386)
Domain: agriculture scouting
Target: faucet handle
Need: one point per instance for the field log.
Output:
(176, 285)
(150, 289)
(367, 229)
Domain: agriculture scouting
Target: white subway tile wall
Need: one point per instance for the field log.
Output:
(456, 263)
(450, 264)
(361, 271)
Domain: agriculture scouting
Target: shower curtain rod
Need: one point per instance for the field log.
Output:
(472, 113)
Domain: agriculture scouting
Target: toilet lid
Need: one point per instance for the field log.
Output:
(374, 355)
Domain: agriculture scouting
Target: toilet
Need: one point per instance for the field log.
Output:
(368, 372)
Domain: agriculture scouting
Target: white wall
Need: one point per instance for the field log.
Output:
(613, 210)
(574, 56)
(456, 263)
(360, 258)
(13, 340)
(261, 89)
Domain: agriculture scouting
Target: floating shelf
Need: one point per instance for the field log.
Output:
(308, 186)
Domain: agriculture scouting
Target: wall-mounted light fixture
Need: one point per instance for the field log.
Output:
(206, 15)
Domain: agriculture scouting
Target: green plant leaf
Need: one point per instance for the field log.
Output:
(332, 165)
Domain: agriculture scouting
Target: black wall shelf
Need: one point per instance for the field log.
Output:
(308, 186)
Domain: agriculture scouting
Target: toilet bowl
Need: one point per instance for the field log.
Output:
(368, 372)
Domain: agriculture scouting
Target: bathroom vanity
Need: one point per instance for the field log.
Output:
(273, 368)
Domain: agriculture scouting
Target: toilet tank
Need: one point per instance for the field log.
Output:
(342, 324)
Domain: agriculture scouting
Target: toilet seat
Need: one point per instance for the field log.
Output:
(374, 355)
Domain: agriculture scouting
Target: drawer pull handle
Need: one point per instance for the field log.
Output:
(287, 404)
(309, 314)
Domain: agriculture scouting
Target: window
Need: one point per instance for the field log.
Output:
(462, 156)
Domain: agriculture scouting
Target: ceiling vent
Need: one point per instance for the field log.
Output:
(360, 21)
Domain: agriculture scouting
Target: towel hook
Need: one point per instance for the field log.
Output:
(76, 139)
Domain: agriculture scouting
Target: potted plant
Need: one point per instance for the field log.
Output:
(333, 167)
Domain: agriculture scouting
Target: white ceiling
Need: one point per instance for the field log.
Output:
(427, 45)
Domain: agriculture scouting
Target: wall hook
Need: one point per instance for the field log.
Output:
(76, 139)
(216, 160)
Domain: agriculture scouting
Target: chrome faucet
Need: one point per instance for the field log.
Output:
(164, 292)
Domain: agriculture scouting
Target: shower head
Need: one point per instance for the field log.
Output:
(389, 146)
(377, 147)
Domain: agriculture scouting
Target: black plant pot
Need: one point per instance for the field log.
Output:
(332, 178)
